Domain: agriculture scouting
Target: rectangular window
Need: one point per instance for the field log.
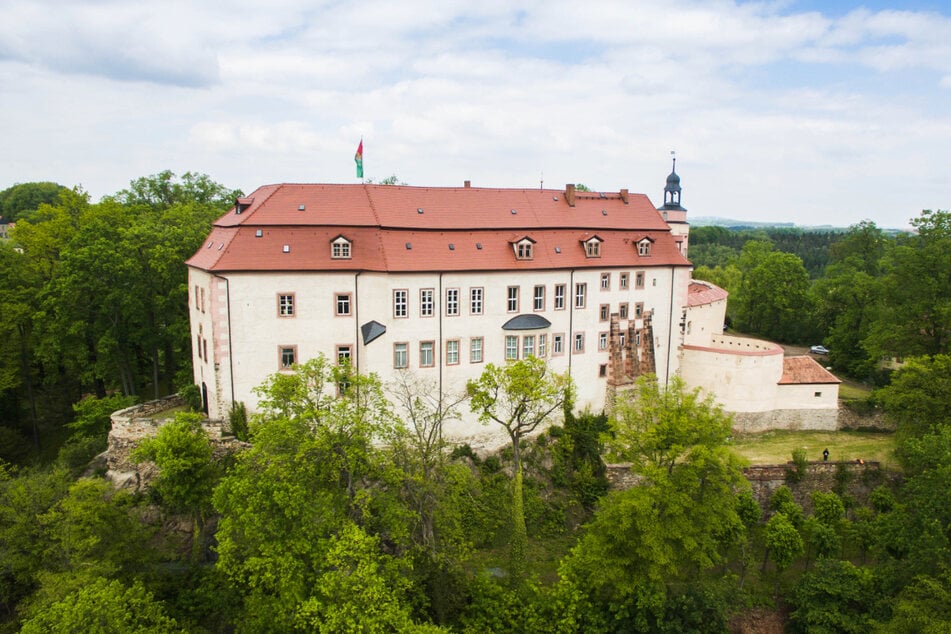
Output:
(557, 344)
(343, 354)
(524, 250)
(452, 352)
(644, 248)
(400, 355)
(605, 281)
(581, 292)
(400, 302)
(452, 301)
(288, 357)
(638, 310)
(579, 342)
(622, 310)
(639, 279)
(542, 346)
(475, 301)
(425, 354)
(197, 304)
(340, 250)
(623, 339)
(198, 346)
(559, 296)
(603, 369)
(426, 302)
(204, 346)
(343, 303)
(538, 300)
(475, 350)
(602, 341)
(604, 311)
(202, 300)
(285, 305)
(512, 305)
(511, 347)
(624, 277)
(528, 346)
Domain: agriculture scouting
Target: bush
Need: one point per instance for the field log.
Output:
(78, 452)
(238, 418)
(191, 394)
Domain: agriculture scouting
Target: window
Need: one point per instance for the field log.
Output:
(425, 354)
(592, 248)
(602, 341)
(603, 369)
(579, 342)
(343, 303)
(622, 310)
(559, 296)
(623, 339)
(511, 347)
(475, 301)
(557, 344)
(523, 250)
(285, 305)
(624, 278)
(400, 355)
(638, 310)
(198, 346)
(202, 300)
(204, 346)
(817, 394)
(452, 301)
(605, 281)
(452, 352)
(542, 346)
(637, 338)
(475, 350)
(426, 302)
(512, 305)
(288, 356)
(528, 346)
(343, 355)
(340, 249)
(604, 311)
(581, 290)
(197, 304)
(400, 302)
(538, 301)
(639, 279)
(644, 247)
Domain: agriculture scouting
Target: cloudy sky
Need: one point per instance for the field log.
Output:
(810, 112)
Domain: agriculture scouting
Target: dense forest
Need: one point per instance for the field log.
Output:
(350, 513)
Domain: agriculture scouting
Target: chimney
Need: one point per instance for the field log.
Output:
(570, 194)
(467, 184)
(625, 196)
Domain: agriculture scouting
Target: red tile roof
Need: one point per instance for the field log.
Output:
(380, 220)
(805, 371)
(700, 293)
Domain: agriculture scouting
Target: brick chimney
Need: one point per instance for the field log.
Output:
(467, 184)
(570, 194)
(625, 196)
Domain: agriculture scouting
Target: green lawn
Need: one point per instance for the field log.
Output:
(776, 447)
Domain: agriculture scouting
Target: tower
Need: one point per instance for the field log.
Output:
(673, 212)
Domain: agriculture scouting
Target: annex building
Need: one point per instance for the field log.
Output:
(440, 281)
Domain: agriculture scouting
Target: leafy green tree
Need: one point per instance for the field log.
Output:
(104, 606)
(519, 397)
(183, 453)
(918, 397)
(924, 606)
(21, 199)
(834, 597)
(654, 542)
(773, 295)
(783, 543)
(916, 318)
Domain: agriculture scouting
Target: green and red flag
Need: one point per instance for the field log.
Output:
(358, 158)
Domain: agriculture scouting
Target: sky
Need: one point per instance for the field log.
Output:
(812, 112)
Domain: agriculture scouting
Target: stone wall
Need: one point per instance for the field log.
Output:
(791, 419)
(134, 424)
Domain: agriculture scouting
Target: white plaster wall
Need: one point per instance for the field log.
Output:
(705, 321)
(739, 382)
(804, 396)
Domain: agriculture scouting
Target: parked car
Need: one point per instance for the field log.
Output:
(819, 350)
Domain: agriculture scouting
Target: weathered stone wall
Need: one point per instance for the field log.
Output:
(132, 425)
(858, 478)
(792, 419)
(875, 421)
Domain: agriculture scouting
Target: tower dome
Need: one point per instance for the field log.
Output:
(672, 191)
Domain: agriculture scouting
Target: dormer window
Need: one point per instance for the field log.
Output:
(340, 248)
(592, 247)
(524, 249)
(644, 247)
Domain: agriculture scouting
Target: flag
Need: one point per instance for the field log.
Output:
(358, 158)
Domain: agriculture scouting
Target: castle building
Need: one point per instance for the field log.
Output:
(440, 281)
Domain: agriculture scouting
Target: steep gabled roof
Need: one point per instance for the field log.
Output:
(805, 371)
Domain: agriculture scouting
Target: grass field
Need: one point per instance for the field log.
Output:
(776, 447)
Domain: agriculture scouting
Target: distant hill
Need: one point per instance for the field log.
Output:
(715, 221)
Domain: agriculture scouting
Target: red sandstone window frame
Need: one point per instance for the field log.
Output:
(605, 281)
(452, 302)
(560, 293)
(286, 305)
(400, 348)
(558, 344)
(400, 303)
(538, 298)
(512, 299)
(622, 310)
(604, 312)
(287, 357)
(343, 304)
(473, 348)
(452, 352)
(476, 300)
(577, 343)
(427, 349)
(427, 302)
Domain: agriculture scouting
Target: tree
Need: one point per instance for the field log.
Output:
(783, 544)
(835, 597)
(916, 319)
(519, 396)
(654, 542)
(917, 398)
(21, 199)
(772, 297)
(104, 606)
(183, 453)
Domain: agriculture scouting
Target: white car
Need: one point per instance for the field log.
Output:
(819, 350)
